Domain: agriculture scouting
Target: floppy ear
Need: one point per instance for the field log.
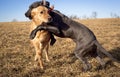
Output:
(52, 7)
(33, 12)
(35, 4)
(47, 3)
(28, 14)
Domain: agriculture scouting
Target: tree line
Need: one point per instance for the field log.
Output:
(94, 15)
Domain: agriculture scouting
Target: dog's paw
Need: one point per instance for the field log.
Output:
(32, 35)
(36, 57)
(52, 42)
(86, 68)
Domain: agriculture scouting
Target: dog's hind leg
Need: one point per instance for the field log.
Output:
(98, 55)
(99, 59)
(79, 53)
(101, 49)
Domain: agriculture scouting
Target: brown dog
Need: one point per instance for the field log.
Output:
(41, 41)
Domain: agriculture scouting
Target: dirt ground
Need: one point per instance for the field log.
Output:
(17, 53)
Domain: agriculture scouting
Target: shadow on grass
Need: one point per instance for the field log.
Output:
(61, 59)
(115, 53)
(34, 72)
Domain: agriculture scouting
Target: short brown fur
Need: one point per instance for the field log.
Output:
(41, 41)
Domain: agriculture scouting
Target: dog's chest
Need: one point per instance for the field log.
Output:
(41, 35)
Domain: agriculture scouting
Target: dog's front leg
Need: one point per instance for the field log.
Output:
(52, 29)
(46, 53)
(38, 48)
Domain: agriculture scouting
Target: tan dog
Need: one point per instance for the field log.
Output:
(41, 41)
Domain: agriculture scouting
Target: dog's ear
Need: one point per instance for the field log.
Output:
(28, 14)
(47, 3)
(33, 5)
(33, 12)
(52, 7)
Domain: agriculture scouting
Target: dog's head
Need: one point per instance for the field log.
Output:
(35, 5)
(39, 11)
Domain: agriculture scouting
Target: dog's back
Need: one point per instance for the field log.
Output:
(71, 28)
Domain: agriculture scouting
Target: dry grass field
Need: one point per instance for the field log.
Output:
(17, 53)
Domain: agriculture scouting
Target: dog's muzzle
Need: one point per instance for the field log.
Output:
(50, 20)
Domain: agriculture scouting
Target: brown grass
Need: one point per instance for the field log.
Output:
(17, 54)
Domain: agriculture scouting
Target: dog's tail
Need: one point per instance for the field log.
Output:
(101, 49)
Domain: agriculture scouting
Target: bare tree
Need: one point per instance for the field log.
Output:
(114, 15)
(94, 15)
(74, 17)
(84, 17)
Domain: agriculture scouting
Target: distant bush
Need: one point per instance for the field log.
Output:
(74, 17)
(14, 20)
(114, 15)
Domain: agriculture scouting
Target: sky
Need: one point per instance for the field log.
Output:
(15, 9)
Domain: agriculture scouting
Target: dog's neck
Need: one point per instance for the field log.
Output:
(36, 22)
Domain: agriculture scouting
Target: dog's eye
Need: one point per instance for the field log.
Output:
(41, 12)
